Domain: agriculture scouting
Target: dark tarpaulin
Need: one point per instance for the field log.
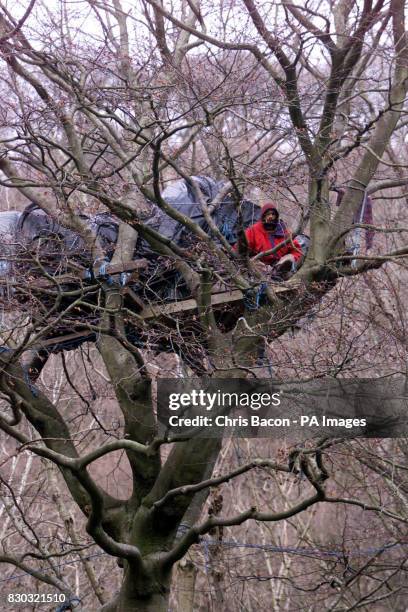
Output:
(180, 195)
(59, 246)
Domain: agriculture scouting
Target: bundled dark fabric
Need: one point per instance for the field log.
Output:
(180, 195)
(230, 218)
(363, 215)
(34, 223)
(304, 242)
(57, 246)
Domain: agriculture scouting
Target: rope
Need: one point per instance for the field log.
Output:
(252, 300)
(101, 273)
(227, 230)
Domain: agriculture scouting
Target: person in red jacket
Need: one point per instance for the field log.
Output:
(267, 234)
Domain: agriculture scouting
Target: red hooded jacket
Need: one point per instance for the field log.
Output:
(260, 240)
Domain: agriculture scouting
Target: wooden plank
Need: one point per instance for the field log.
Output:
(50, 342)
(159, 310)
(217, 299)
(134, 297)
(130, 266)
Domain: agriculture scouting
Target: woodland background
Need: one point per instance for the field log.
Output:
(95, 95)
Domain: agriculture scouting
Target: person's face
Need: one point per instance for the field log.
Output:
(270, 216)
(270, 220)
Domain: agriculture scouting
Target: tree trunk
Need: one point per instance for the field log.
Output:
(319, 220)
(155, 603)
(148, 593)
(186, 578)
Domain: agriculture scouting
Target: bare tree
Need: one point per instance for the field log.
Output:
(271, 98)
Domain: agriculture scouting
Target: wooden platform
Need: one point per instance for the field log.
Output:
(146, 312)
(153, 311)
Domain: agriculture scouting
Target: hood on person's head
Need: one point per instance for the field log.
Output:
(269, 225)
(269, 206)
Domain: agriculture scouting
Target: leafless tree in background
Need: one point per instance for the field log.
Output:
(103, 105)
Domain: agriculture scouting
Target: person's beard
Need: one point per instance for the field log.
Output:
(270, 226)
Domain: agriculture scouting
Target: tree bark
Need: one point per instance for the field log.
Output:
(186, 579)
